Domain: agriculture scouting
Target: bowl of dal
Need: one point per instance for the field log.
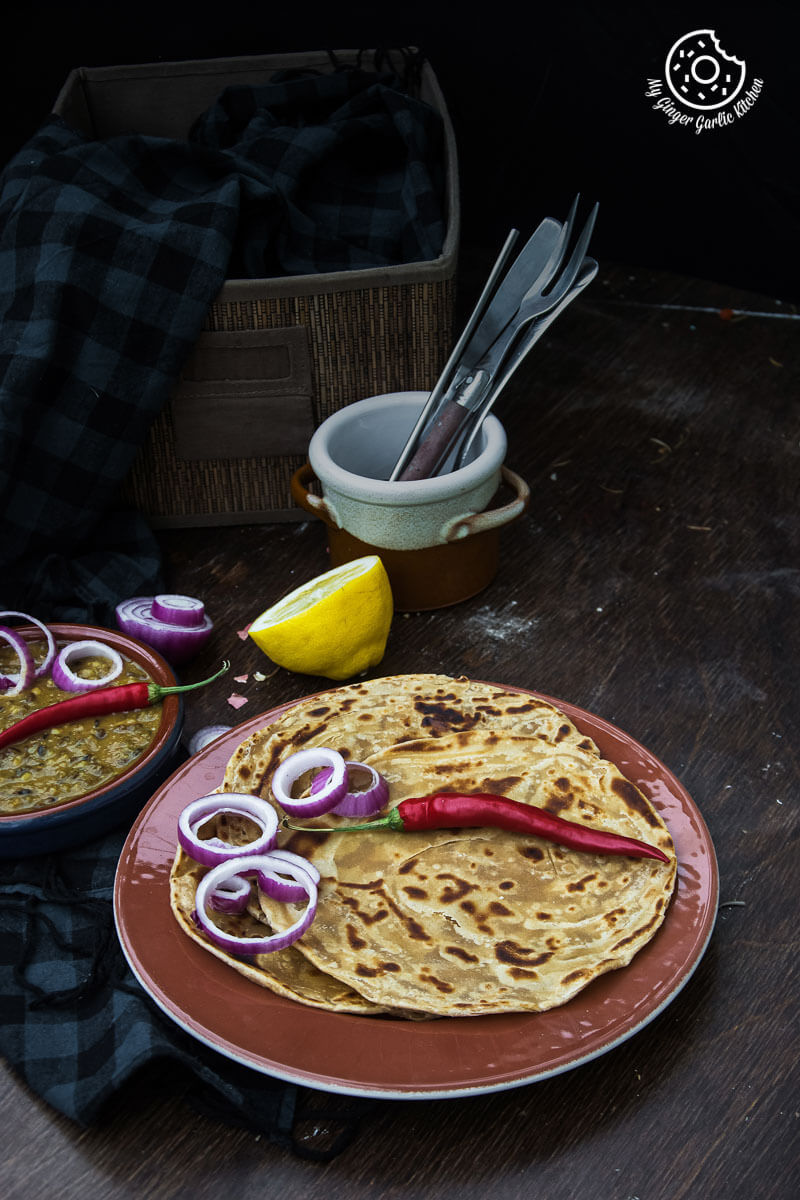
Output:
(77, 780)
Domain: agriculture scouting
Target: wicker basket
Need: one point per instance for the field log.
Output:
(277, 356)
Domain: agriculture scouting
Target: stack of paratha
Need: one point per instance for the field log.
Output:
(450, 922)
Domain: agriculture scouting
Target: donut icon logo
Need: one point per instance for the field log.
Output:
(700, 74)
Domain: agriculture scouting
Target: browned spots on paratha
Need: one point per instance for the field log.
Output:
(381, 969)
(579, 885)
(637, 934)
(414, 929)
(557, 804)
(460, 952)
(633, 799)
(455, 890)
(354, 940)
(440, 984)
(500, 785)
(582, 973)
(416, 893)
(439, 718)
(305, 844)
(364, 915)
(521, 956)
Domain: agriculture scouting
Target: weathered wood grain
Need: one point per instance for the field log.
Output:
(656, 582)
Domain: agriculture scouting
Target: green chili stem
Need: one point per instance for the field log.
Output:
(392, 820)
(155, 691)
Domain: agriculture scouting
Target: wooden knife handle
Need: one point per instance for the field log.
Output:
(435, 444)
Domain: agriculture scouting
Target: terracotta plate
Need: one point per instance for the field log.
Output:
(373, 1056)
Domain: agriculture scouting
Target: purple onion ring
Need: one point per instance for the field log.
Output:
(329, 793)
(362, 803)
(47, 662)
(267, 868)
(65, 678)
(18, 683)
(212, 852)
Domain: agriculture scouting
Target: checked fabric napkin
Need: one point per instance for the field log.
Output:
(111, 253)
(76, 1026)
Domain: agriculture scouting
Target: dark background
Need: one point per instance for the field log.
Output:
(546, 99)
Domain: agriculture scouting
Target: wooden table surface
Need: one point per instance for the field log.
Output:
(655, 582)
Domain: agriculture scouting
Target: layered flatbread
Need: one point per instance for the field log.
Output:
(363, 718)
(464, 922)
(455, 922)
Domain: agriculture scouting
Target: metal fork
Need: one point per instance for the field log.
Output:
(457, 411)
(535, 303)
(441, 417)
(460, 453)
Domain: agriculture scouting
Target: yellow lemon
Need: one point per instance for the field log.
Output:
(335, 625)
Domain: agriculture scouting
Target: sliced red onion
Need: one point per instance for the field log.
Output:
(231, 895)
(179, 610)
(206, 735)
(19, 682)
(65, 678)
(178, 643)
(365, 801)
(329, 793)
(45, 665)
(268, 869)
(279, 889)
(210, 852)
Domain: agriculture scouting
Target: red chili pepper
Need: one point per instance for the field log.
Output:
(124, 698)
(450, 810)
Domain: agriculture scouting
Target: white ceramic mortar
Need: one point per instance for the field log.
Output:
(353, 453)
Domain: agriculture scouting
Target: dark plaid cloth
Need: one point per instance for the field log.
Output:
(76, 1025)
(111, 253)
(353, 170)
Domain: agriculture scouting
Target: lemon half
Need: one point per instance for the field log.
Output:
(336, 625)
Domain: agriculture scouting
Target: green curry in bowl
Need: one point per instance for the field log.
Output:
(67, 761)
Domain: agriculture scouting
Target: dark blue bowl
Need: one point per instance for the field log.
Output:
(115, 803)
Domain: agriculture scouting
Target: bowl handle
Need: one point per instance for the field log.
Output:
(492, 518)
(318, 506)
